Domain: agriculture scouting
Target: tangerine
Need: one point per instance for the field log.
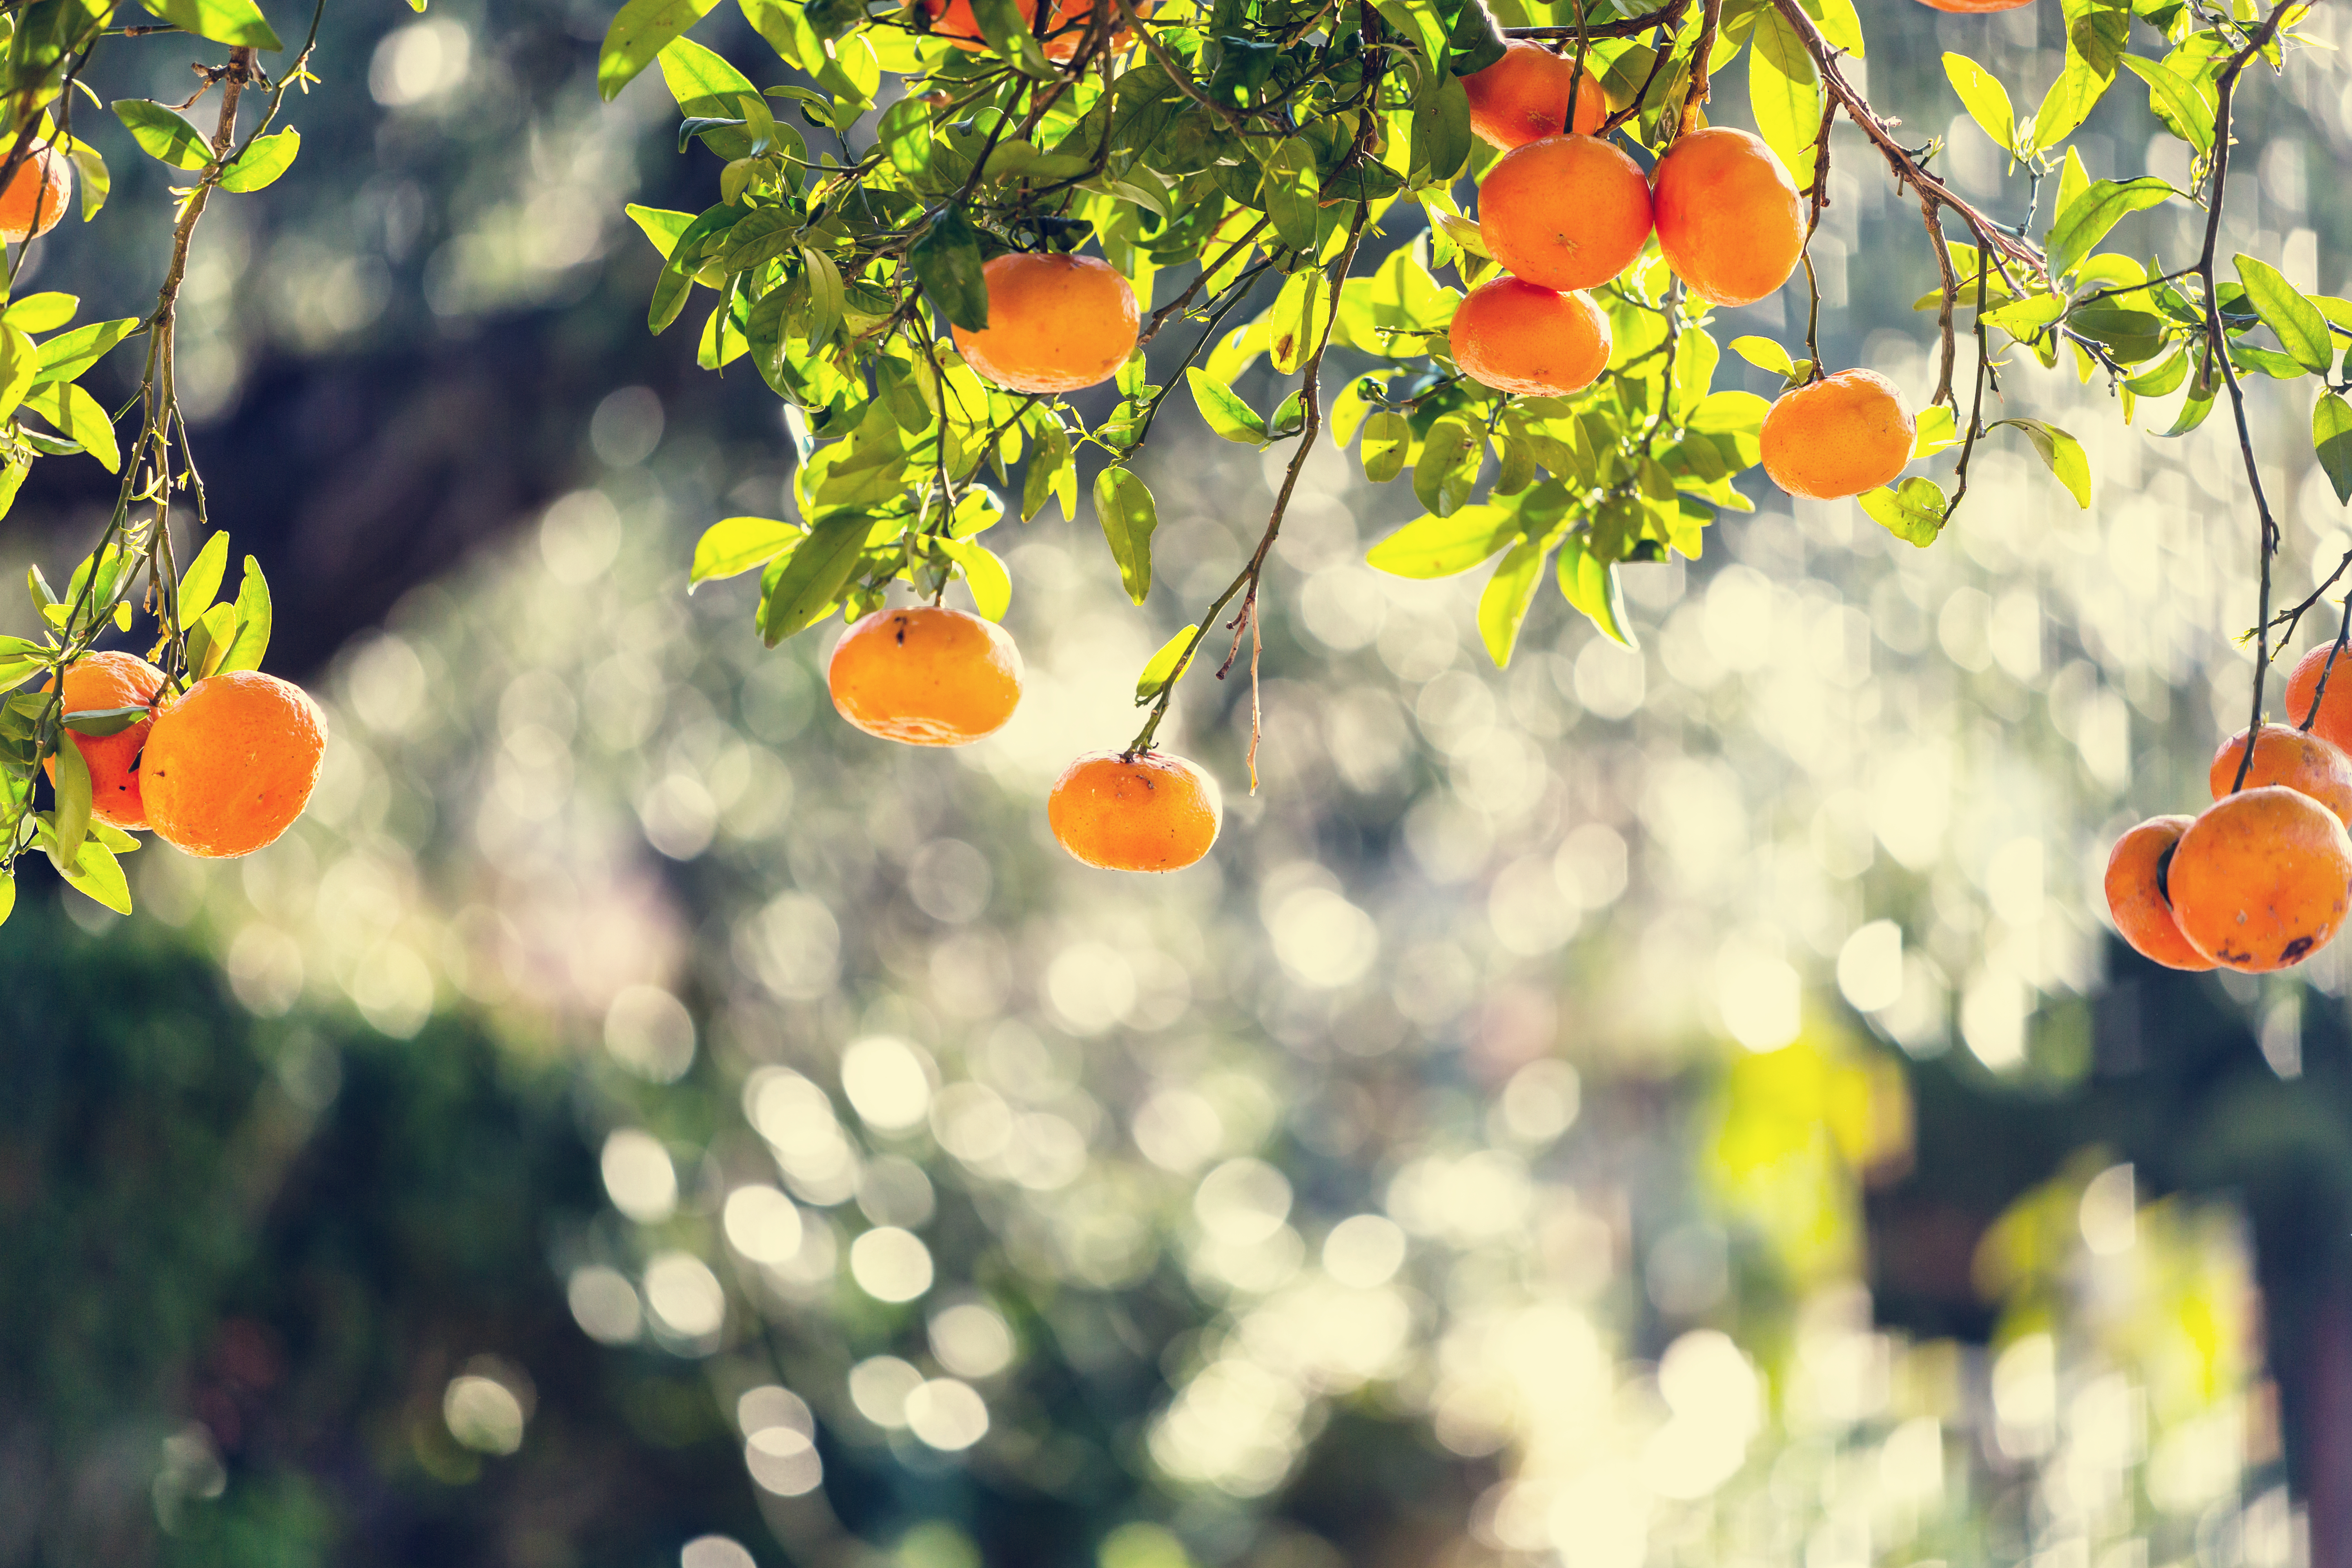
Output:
(2138, 899)
(1525, 94)
(1062, 28)
(2290, 757)
(1055, 323)
(229, 766)
(2333, 723)
(1729, 219)
(1514, 336)
(1565, 212)
(1141, 811)
(34, 200)
(95, 682)
(2261, 881)
(927, 676)
(1836, 436)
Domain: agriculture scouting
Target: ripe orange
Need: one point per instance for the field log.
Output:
(1524, 95)
(1839, 436)
(94, 683)
(1064, 29)
(2333, 724)
(1513, 336)
(34, 200)
(1730, 219)
(2288, 756)
(231, 765)
(926, 676)
(1055, 323)
(1565, 212)
(2138, 897)
(2261, 880)
(1146, 812)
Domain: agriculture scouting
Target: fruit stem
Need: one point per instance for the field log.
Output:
(1697, 96)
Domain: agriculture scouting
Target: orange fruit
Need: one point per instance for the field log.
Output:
(1524, 95)
(229, 766)
(2289, 757)
(1730, 219)
(1144, 811)
(1055, 323)
(34, 200)
(927, 676)
(2261, 880)
(2138, 897)
(2333, 724)
(95, 682)
(1064, 30)
(1565, 212)
(1836, 436)
(1513, 336)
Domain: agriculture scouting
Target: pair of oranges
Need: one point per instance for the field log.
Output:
(219, 771)
(2262, 880)
(933, 677)
(1563, 210)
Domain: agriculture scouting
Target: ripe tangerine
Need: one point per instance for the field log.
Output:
(2261, 881)
(1524, 95)
(1139, 811)
(229, 766)
(2290, 757)
(2138, 897)
(2333, 724)
(1055, 323)
(34, 200)
(94, 683)
(1565, 212)
(1730, 219)
(927, 676)
(1514, 336)
(1836, 436)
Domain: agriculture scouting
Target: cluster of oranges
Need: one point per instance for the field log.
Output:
(1564, 211)
(933, 677)
(2262, 879)
(219, 771)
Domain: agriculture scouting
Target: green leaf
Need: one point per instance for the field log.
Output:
(2084, 221)
(76, 415)
(20, 368)
(1935, 430)
(163, 133)
(2062, 452)
(1436, 546)
(2028, 318)
(2095, 36)
(1475, 41)
(1590, 584)
(200, 584)
(234, 22)
(209, 638)
(255, 620)
(814, 575)
(95, 874)
(98, 722)
(71, 822)
(661, 226)
(1049, 459)
(1388, 438)
(93, 180)
(2331, 439)
(1764, 354)
(1984, 98)
(41, 312)
(947, 263)
(700, 80)
(640, 31)
(1005, 27)
(261, 163)
(8, 894)
(1227, 414)
(984, 574)
(1447, 468)
(2176, 101)
(1124, 506)
(905, 135)
(1503, 604)
(66, 356)
(2302, 329)
(1784, 91)
(1161, 665)
(1912, 513)
(1289, 189)
(734, 547)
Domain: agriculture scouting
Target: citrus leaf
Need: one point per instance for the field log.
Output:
(2062, 452)
(96, 875)
(2084, 221)
(71, 823)
(255, 620)
(1387, 438)
(641, 30)
(737, 544)
(1161, 665)
(947, 263)
(2302, 329)
(260, 163)
(235, 22)
(1503, 605)
(1590, 584)
(1437, 547)
(984, 574)
(1784, 91)
(2175, 101)
(163, 133)
(2331, 439)
(41, 312)
(1123, 505)
(66, 356)
(1984, 98)
(1913, 513)
(1227, 414)
(75, 415)
(814, 575)
(1288, 189)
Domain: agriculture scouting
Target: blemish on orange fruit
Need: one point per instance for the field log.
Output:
(927, 676)
(1144, 811)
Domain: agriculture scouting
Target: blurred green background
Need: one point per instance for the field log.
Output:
(1677, 1107)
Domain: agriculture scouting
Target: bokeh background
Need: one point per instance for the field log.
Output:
(1675, 1107)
